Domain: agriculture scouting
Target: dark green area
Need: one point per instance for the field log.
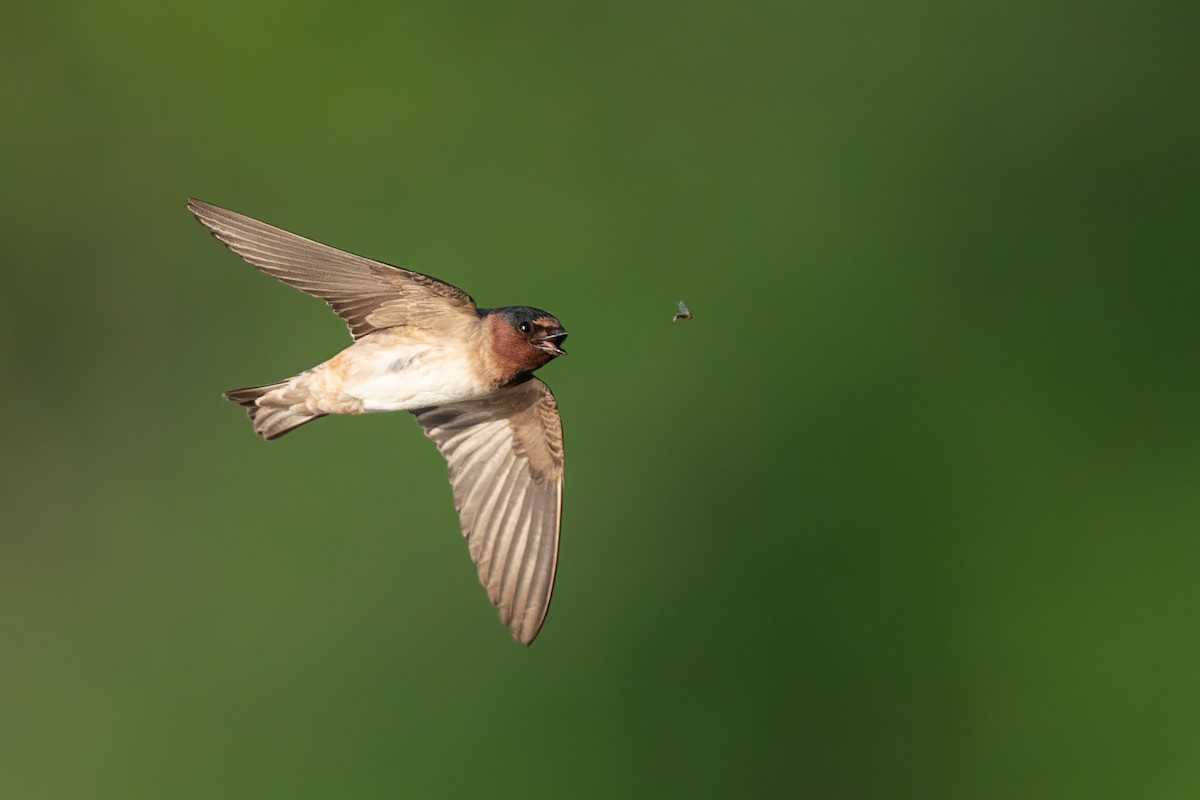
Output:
(909, 509)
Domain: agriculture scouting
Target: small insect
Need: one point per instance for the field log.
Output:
(683, 313)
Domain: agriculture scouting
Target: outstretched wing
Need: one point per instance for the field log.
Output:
(369, 295)
(506, 469)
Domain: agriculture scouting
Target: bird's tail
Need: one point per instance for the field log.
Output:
(270, 421)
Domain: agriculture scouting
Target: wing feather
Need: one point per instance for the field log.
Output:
(486, 515)
(489, 525)
(369, 295)
(512, 551)
(505, 460)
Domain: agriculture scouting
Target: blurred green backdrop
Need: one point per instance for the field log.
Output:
(909, 509)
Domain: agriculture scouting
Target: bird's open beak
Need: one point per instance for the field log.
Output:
(550, 343)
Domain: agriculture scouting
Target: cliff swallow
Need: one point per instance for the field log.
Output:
(683, 313)
(466, 374)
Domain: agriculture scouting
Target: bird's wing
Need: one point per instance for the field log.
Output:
(505, 455)
(369, 295)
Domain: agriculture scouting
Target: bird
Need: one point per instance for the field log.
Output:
(465, 373)
(682, 313)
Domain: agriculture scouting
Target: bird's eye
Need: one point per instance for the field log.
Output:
(525, 327)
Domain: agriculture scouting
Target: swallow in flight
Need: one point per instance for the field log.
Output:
(466, 374)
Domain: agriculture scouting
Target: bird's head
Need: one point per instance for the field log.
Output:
(523, 339)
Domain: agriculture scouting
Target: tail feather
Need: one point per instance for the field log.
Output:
(270, 422)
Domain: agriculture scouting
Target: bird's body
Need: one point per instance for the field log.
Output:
(391, 370)
(422, 346)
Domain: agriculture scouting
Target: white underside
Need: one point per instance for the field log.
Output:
(415, 376)
(380, 374)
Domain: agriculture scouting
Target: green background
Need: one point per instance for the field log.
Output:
(909, 509)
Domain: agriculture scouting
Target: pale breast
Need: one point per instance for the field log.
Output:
(391, 375)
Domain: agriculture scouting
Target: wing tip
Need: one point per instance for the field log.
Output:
(205, 213)
(196, 205)
(525, 637)
(526, 626)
